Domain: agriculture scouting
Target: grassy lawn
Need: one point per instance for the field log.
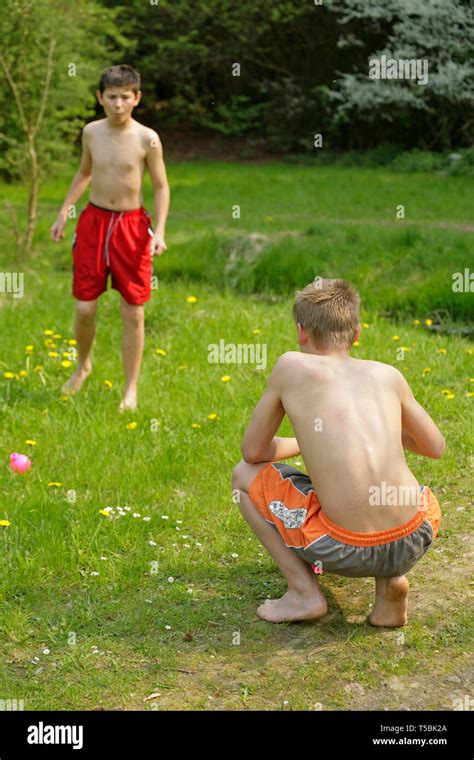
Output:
(103, 610)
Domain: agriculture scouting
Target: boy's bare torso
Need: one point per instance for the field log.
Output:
(118, 161)
(346, 415)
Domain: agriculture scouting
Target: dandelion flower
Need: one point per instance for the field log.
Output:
(48, 332)
(66, 363)
(72, 342)
(39, 368)
(365, 324)
(191, 299)
(132, 425)
(54, 484)
(257, 331)
(225, 378)
(416, 322)
(441, 350)
(5, 523)
(356, 343)
(53, 354)
(29, 349)
(23, 373)
(395, 337)
(9, 375)
(213, 416)
(108, 383)
(428, 322)
(104, 512)
(160, 351)
(195, 425)
(30, 442)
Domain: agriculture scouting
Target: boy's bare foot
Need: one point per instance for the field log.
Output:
(391, 602)
(129, 401)
(74, 384)
(294, 606)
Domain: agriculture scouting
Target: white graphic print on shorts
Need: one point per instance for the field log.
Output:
(292, 518)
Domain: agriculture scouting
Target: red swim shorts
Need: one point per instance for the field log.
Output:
(117, 242)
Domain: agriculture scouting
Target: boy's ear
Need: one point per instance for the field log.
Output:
(357, 332)
(98, 95)
(138, 97)
(302, 335)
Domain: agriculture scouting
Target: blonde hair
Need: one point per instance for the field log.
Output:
(329, 312)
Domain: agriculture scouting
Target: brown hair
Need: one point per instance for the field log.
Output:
(121, 75)
(329, 312)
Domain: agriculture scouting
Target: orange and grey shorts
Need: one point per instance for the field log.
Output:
(286, 498)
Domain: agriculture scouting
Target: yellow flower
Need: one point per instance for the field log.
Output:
(53, 354)
(108, 383)
(30, 442)
(132, 425)
(23, 373)
(29, 349)
(365, 324)
(449, 396)
(213, 416)
(471, 379)
(53, 484)
(5, 523)
(428, 322)
(441, 350)
(405, 348)
(191, 299)
(9, 375)
(426, 369)
(160, 351)
(48, 332)
(66, 363)
(72, 342)
(225, 378)
(56, 336)
(39, 368)
(395, 337)
(469, 394)
(356, 343)
(469, 351)
(446, 391)
(195, 425)
(104, 512)
(256, 331)
(64, 397)
(416, 322)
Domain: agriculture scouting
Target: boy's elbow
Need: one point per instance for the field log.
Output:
(438, 452)
(249, 455)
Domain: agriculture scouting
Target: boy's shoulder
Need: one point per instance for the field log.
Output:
(147, 133)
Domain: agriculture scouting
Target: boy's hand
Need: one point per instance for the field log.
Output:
(57, 229)
(158, 245)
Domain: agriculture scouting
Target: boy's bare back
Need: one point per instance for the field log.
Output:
(347, 417)
(116, 160)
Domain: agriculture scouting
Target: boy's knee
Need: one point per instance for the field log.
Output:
(133, 314)
(86, 310)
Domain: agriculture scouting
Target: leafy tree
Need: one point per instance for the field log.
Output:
(439, 114)
(52, 54)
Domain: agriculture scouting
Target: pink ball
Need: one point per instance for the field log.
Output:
(19, 462)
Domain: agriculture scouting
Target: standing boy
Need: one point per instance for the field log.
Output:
(114, 232)
(360, 511)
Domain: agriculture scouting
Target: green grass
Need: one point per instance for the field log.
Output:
(50, 596)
